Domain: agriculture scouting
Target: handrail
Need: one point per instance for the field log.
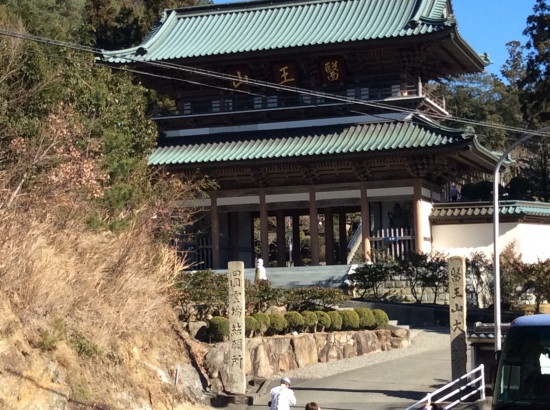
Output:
(481, 379)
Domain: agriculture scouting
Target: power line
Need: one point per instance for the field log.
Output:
(257, 83)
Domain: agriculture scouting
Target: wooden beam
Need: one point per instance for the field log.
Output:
(313, 228)
(296, 251)
(329, 235)
(264, 237)
(343, 239)
(215, 232)
(281, 242)
(417, 200)
(234, 235)
(365, 222)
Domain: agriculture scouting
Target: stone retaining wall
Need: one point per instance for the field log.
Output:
(267, 356)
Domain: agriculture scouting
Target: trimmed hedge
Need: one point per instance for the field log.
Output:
(366, 318)
(323, 320)
(277, 323)
(218, 329)
(263, 321)
(310, 319)
(295, 321)
(350, 319)
(335, 320)
(380, 317)
(250, 326)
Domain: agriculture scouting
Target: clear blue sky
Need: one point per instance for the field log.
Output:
(487, 25)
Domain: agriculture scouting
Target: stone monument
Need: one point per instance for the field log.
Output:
(457, 314)
(237, 378)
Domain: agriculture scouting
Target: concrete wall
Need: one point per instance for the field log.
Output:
(462, 240)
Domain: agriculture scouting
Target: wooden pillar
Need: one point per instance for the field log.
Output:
(281, 242)
(365, 222)
(234, 235)
(296, 251)
(417, 199)
(329, 235)
(313, 228)
(264, 238)
(215, 231)
(343, 239)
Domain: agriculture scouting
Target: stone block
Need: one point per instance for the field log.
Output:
(349, 350)
(330, 353)
(198, 330)
(320, 340)
(264, 363)
(275, 309)
(384, 336)
(367, 342)
(305, 349)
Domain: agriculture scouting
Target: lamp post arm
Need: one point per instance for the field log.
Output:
(496, 234)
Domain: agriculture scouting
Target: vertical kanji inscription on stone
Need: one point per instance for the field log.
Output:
(237, 378)
(457, 312)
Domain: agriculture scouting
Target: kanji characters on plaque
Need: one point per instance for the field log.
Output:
(236, 309)
(457, 315)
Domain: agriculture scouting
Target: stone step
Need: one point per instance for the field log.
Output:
(304, 276)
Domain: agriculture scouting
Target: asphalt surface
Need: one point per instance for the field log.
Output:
(395, 383)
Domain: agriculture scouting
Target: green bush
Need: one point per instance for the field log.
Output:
(200, 294)
(335, 320)
(277, 323)
(250, 325)
(310, 320)
(295, 321)
(313, 298)
(218, 329)
(380, 317)
(366, 318)
(350, 319)
(261, 295)
(263, 322)
(323, 320)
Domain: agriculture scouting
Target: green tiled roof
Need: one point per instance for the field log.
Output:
(415, 132)
(269, 25)
(472, 210)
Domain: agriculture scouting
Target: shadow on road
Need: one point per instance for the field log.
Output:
(401, 394)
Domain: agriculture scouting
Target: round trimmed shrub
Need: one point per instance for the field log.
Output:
(380, 317)
(323, 320)
(335, 320)
(350, 319)
(218, 328)
(263, 321)
(310, 319)
(277, 323)
(295, 321)
(366, 318)
(250, 325)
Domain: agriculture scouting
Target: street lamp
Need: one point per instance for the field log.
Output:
(496, 215)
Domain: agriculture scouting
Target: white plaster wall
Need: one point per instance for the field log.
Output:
(425, 230)
(534, 242)
(465, 239)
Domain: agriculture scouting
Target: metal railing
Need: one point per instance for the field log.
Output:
(459, 388)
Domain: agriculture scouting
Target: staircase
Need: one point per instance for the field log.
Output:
(304, 276)
(355, 242)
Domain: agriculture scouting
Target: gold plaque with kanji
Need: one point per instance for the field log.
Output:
(285, 74)
(332, 70)
(242, 74)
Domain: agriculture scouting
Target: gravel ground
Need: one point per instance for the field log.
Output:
(421, 341)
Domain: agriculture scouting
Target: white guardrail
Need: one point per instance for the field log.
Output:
(457, 390)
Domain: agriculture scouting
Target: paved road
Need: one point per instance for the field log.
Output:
(388, 385)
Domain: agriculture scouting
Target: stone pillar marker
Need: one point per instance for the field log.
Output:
(457, 314)
(236, 308)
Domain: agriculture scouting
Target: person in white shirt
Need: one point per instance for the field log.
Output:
(282, 397)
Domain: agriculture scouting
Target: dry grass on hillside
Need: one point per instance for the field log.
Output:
(103, 285)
